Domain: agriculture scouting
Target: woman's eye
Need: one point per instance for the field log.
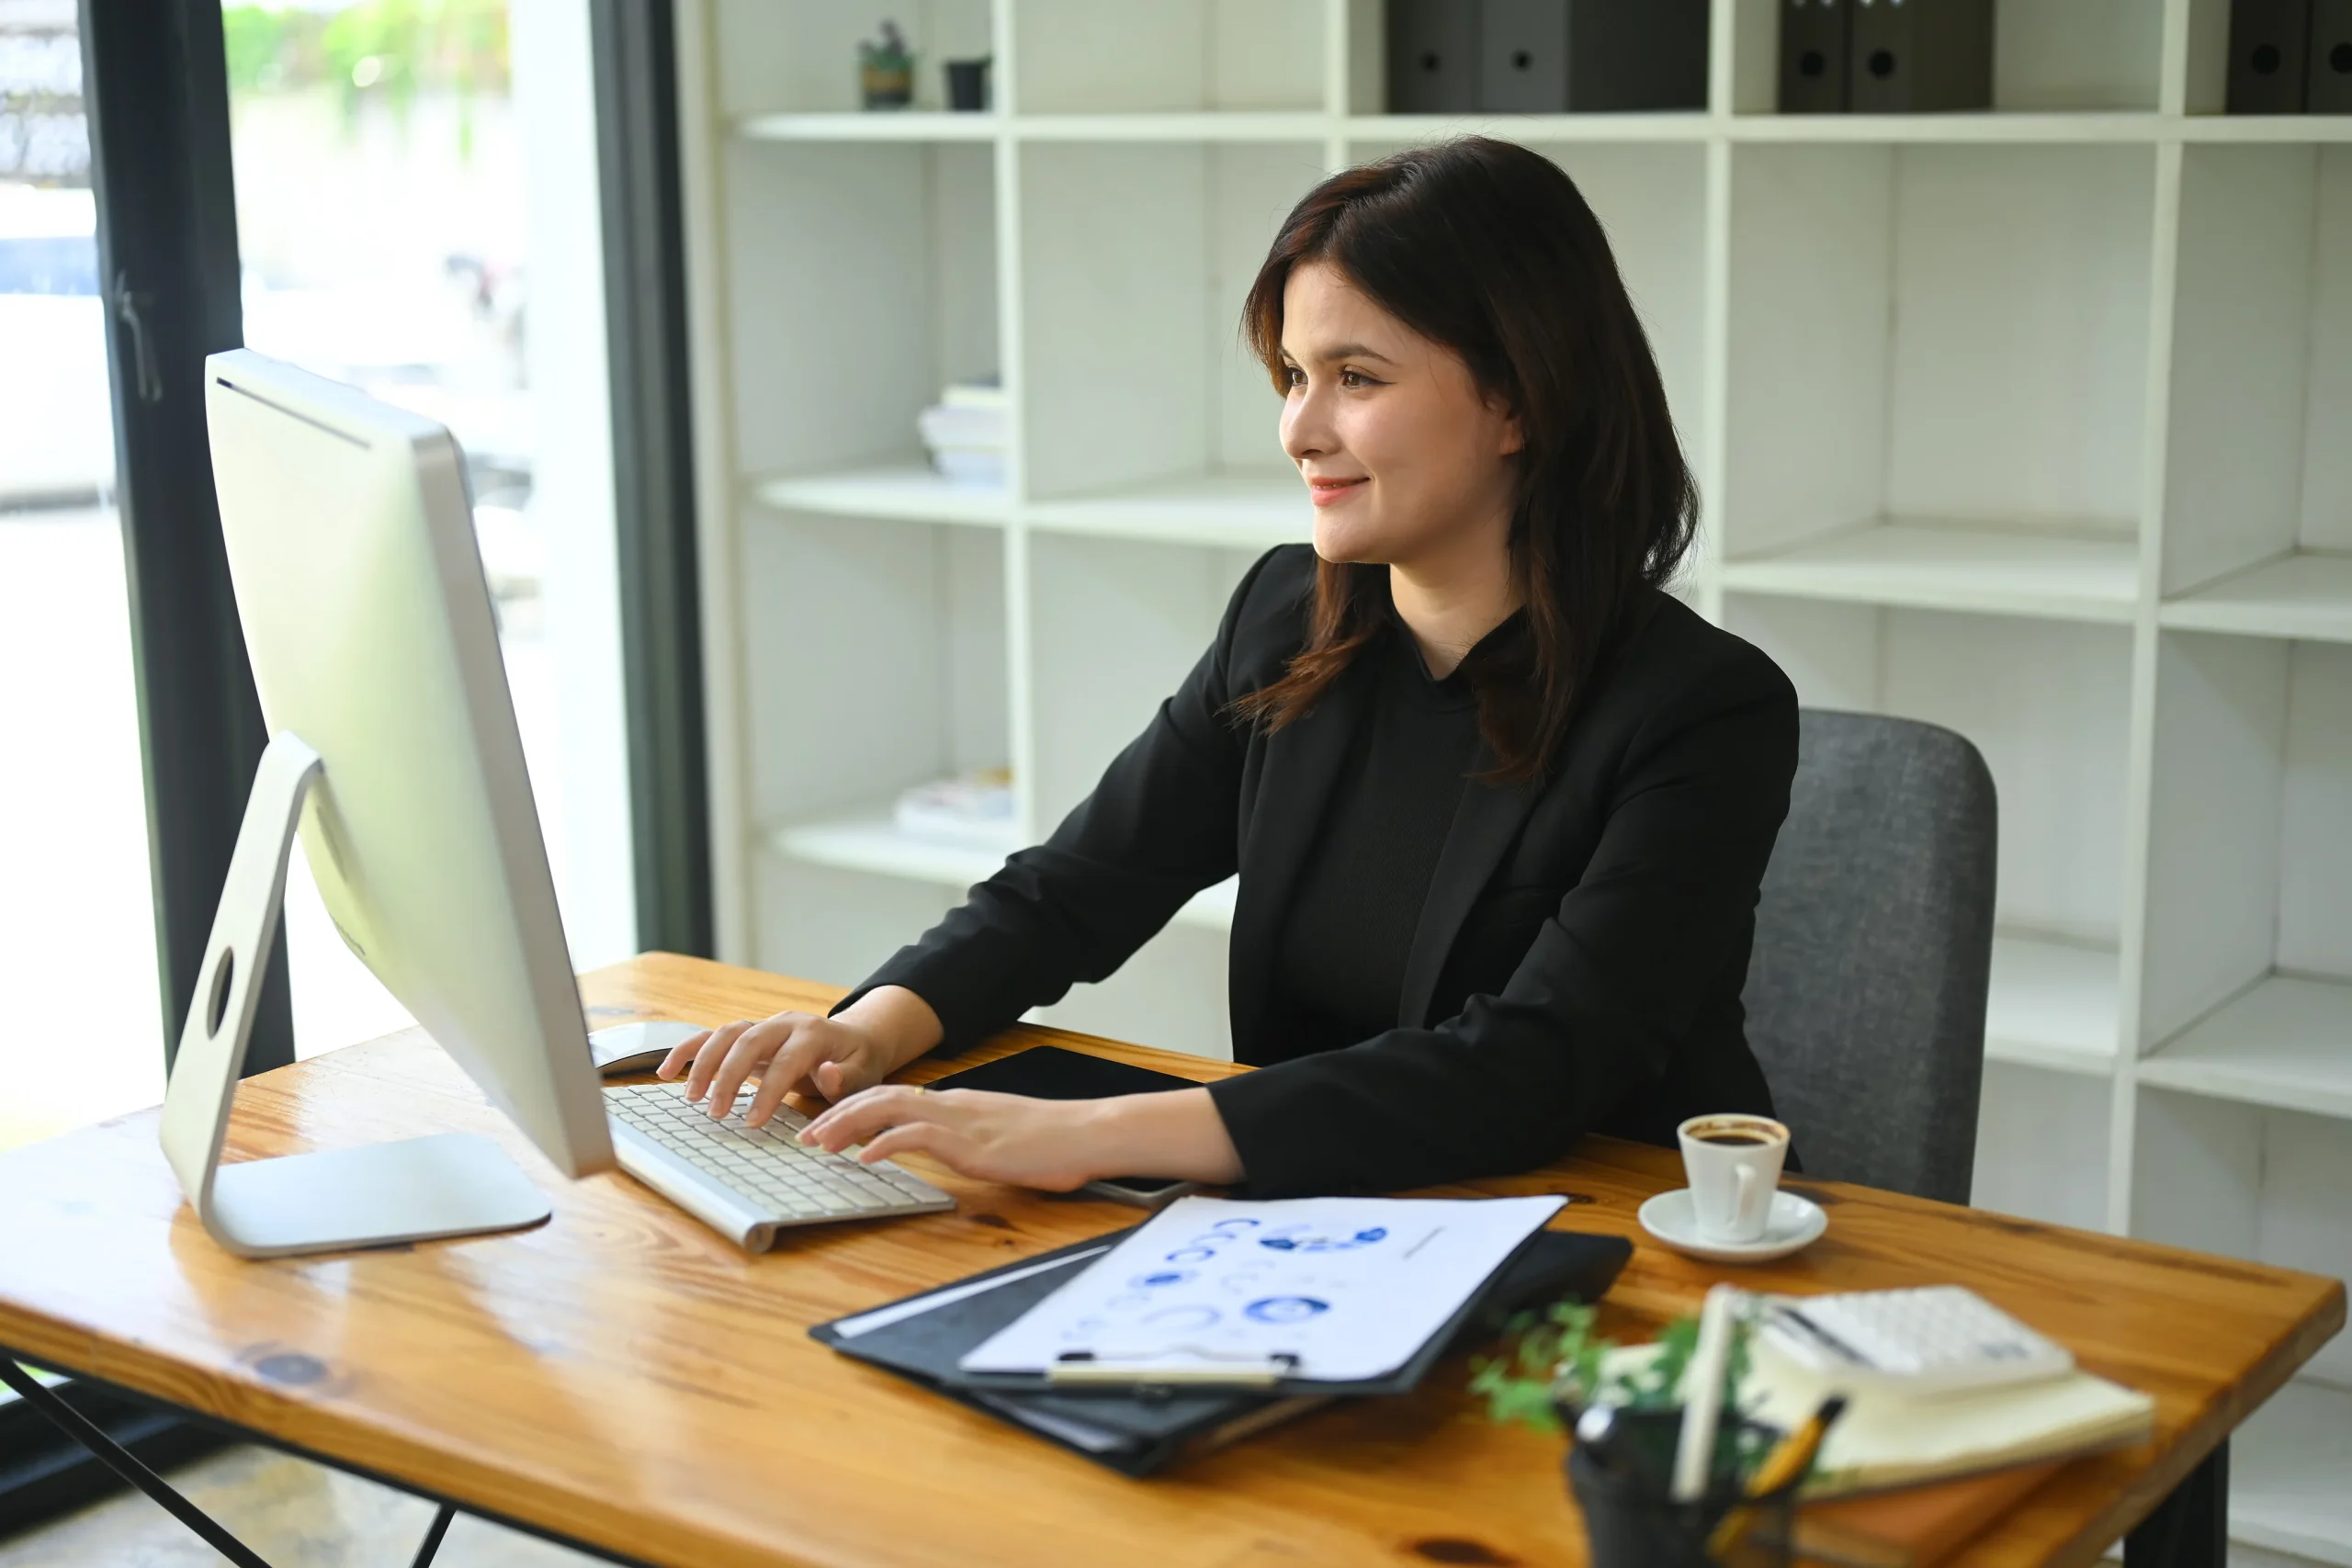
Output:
(1354, 379)
(1293, 377)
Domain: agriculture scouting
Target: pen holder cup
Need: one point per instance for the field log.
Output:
(1630, 1522)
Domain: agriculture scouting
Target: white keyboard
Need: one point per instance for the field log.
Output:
(749, 1182)
(1935, 1339)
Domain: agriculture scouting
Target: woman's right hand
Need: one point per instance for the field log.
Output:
(829, 1058)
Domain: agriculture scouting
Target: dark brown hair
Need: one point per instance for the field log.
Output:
(1489, 250)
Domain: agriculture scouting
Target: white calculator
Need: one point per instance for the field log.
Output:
(1935, 1339)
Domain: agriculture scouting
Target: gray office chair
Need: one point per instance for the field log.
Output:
(1873, 946)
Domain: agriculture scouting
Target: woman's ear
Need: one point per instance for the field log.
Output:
(1509, 438)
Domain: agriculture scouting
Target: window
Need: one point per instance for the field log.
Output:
(83, 1044)
(416, 216)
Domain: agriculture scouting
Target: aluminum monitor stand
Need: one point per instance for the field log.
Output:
(417, 1190)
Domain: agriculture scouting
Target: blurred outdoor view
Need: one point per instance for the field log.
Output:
(77, 921)
(382, 214)
(380, 225)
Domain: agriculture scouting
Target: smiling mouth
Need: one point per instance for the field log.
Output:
(1326, 491)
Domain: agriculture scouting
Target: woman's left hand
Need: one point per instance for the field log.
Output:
(1044, 1143)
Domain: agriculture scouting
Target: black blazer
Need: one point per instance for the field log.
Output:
(1579, 961)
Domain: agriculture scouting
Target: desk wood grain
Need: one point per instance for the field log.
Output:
(624, 1378)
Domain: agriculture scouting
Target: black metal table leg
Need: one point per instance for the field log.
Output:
(123, 1462)
(433, 1537)
(115, 1457)
(2191, 1528)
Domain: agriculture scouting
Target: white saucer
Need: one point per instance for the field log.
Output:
(1795, 1223)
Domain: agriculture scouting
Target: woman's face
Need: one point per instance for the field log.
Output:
(1407, 463)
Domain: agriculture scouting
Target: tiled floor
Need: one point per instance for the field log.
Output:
(293, 1513)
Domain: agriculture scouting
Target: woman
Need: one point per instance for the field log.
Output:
(1499, 804)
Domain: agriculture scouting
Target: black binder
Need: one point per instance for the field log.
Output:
(1652, 55)
(2328, 83)
(2269, 46)
(1432, 56)
(1523, 56)
(1139, 1431)
(1919, 56)
(1591, 56)
(1813, 56)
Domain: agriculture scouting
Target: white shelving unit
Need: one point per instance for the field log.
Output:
(2054, 1005)
(870, 841)
(2081, 575)
(2030, 422)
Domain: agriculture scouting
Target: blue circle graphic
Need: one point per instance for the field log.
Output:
(1165, 1277)
(1191, 1255)
(1285, 1309)
(1312, 1242)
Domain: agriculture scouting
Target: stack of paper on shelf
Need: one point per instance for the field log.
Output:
(974, 811)
(966, 431)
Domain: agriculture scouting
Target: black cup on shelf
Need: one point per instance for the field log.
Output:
(967, 84)
(1630, 1522)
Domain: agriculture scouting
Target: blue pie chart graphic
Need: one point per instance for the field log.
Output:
(1315, 1242)
(1285, 1309)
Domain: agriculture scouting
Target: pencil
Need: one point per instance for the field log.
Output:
(1787, 1461)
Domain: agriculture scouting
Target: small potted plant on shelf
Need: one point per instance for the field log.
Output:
(886, 69)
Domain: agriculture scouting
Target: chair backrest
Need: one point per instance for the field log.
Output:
(1873, 946)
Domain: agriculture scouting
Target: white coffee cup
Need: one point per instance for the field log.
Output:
(1733, 1164)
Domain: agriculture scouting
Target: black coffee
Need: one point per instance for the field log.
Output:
(1747, 1135)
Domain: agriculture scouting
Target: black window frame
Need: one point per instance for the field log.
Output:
(633, 45)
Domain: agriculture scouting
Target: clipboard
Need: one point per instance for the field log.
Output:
(1140, 1429)
(1311, 1296)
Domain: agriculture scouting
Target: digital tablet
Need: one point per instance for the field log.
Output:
(1049, 1072)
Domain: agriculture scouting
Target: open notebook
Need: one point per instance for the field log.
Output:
(1890, 1439)
(1886, 1440)
(1962, 1459)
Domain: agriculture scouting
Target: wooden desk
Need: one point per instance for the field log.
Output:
(626, 1380)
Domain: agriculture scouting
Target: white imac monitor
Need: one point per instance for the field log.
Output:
(368, 623)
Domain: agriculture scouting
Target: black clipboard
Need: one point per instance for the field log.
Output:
(1139, 1430)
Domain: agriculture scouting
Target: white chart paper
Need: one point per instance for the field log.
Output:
(1351, 1287)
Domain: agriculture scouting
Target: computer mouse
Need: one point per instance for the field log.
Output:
(639, 1047)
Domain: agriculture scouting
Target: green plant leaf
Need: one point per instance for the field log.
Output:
(1552, 1356)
